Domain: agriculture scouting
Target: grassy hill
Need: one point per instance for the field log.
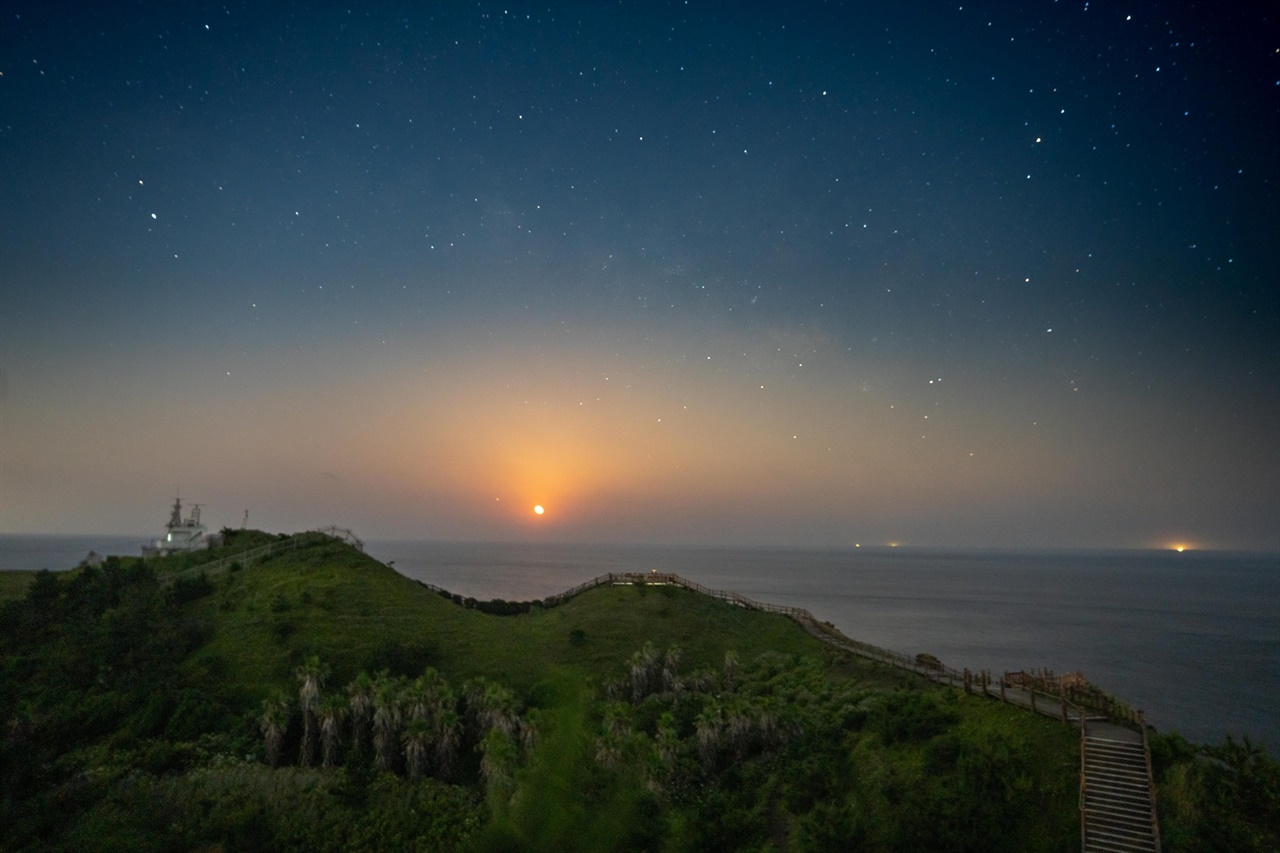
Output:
(154, 706)
(356, 613)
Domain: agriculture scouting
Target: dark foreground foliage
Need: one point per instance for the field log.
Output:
(1216, 798)
(92, 661)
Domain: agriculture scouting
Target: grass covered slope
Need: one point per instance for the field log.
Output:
(358, 614)
(146, 711)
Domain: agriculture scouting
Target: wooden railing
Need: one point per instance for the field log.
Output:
(253, 555)
(344, 534)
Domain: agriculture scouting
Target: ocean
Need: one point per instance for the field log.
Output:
(1191, 638)
(58, 553)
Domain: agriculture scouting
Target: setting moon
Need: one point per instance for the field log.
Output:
(538, 509)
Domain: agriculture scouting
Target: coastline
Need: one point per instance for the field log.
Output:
(1144, 625)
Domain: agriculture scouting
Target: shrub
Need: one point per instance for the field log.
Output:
(912, 715)
(191, 589)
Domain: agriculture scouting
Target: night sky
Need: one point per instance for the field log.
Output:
(976, 274)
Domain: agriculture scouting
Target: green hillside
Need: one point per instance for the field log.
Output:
(315, 699)
(356, 613)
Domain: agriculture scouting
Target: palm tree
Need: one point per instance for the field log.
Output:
(667, 742)
(710, 731)
(730, 670)
(670, 661)
(529, 730)
(312, 674)
(608, 751)
(616, 732)
(436, 689)
(388, 715)
(417, 740)
(446, 700)
(644, 669)
(638, 677)
(617, 720)
(766, 709)
(737, 723)
(273, 723)
(701, 681)
(473, 693)
(449, 726)
(360, 698)
(331, 711)
(497, 762)
(418, 700)
(491, 706)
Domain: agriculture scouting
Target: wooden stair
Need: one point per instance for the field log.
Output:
(1118, 809)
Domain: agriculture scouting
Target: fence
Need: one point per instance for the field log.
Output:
(253, 555)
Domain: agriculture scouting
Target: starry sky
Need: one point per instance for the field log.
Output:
(972, 274)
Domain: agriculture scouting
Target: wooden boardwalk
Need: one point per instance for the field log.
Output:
(1117, 807)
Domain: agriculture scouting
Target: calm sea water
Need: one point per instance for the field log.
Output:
(57, 553)
(1192, 638)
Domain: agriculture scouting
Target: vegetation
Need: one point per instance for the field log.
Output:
(319, 700)
(1211, 798)
(14, 583)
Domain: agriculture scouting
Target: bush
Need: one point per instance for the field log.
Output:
(499, 607)
(400, 659)
(282, 630)
(913, 716)
(190, 589)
